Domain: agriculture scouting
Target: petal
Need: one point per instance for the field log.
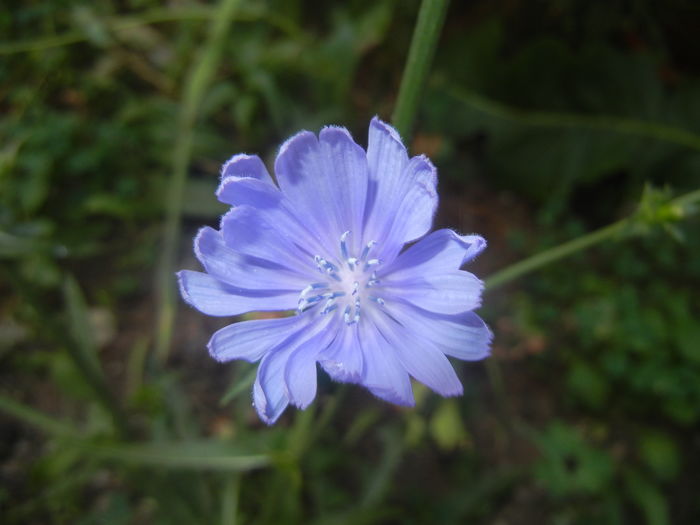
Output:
(441, 251)
(447, 293)
(212, 297)
(239, 191)
(420, 358)
(250, 340)
(343, 360)
(231, 267)
(413, 217)
(300, 371)
(464, 336)
(383, 373)
(270, 392)
(349, 180)
(269, 403)
(327, 179)
(392, 181)
(386, 158)
(243, 165)
(270, 202)
(247, 230)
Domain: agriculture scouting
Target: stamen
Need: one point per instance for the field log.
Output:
(372, 262)
(377, 300)
(326, 267)
(346, 315)
(329, 306)
(304, 304)
(366, 249)
(312, 287)
(343, 245)
(352, 274)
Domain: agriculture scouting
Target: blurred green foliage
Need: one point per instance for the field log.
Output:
(546, 119)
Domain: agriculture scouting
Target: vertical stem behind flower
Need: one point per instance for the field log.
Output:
(197, 82)
(229, 498)
(425, 36)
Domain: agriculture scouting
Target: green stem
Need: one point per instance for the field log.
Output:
(174, 456)
(229, 499)
(551, 255)
(201, 74)
(425, 36)
(621, 125)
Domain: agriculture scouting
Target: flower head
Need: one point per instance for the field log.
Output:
(327, 242)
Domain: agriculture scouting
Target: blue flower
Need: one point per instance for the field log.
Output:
(327, 241)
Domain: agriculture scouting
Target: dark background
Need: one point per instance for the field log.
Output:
(546, 120)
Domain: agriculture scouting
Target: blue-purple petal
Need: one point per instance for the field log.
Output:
(327, 179)
(271, 401)
(441, 251)
(446, 293)
(343, 360)
(413, 217)
(420, 358)
(239, 191)
(243, 165)
(231, 267)
(248, 231)
(464, 335)
(251, 340)
(383, 374)
(402, 196)
(212, 297)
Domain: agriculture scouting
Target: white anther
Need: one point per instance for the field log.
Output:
(343, 245)
(366, 249)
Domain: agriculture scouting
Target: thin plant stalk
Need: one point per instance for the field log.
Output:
(425, 37)
(619, 228)
(229, 499)
(200, 77)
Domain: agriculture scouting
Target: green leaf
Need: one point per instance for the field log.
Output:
(188, 455)
(80, 327)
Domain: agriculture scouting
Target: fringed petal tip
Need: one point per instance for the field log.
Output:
(244, 165)
(334, 134)
(474, 244)
(385, 129)
(300, 139)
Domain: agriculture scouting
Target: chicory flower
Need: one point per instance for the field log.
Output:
(327, 241)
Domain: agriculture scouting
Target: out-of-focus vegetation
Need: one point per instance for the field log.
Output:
(546, 121)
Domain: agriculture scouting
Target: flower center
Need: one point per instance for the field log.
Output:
(346, 286)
